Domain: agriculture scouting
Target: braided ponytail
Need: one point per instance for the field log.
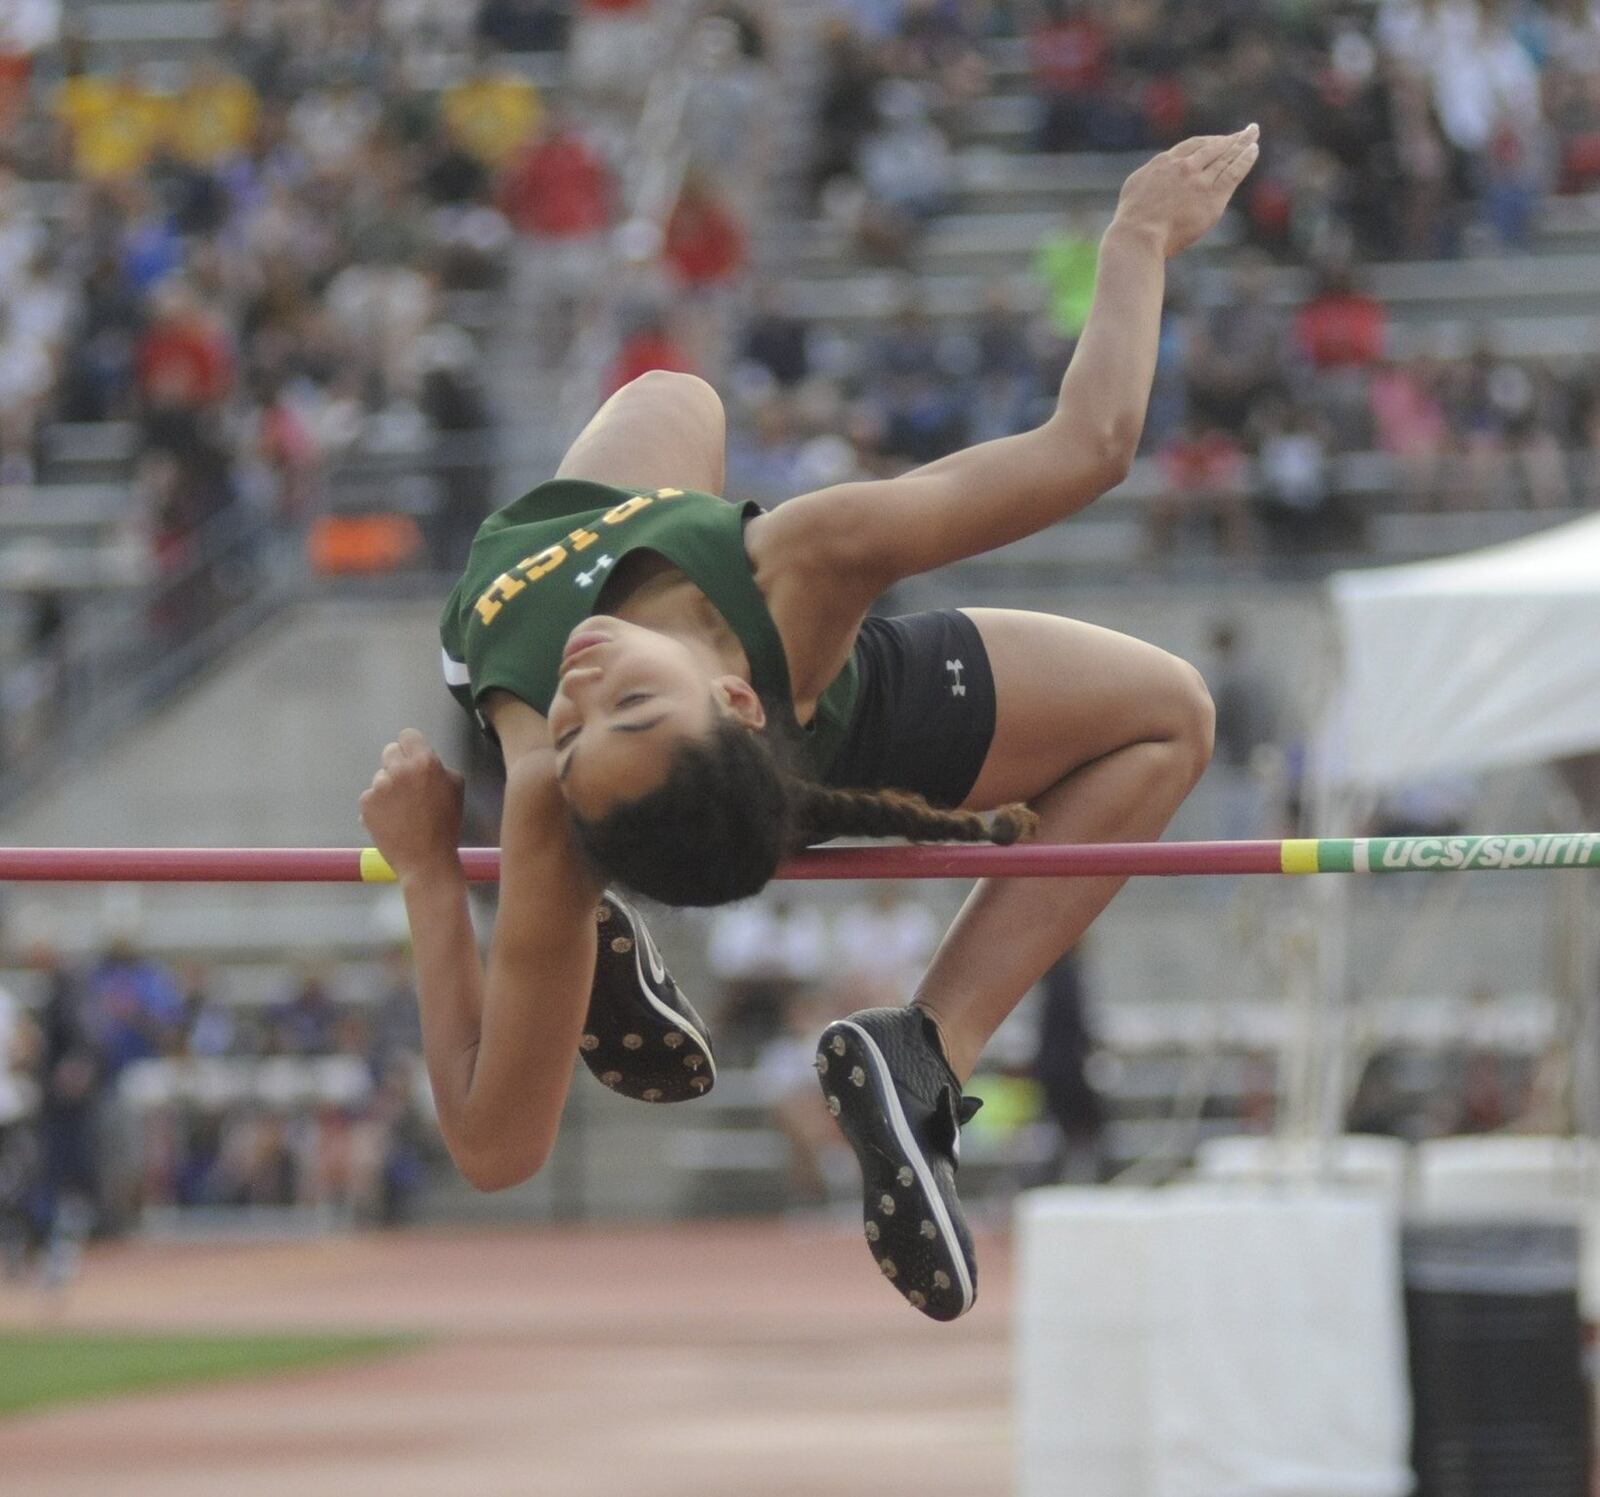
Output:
(734, 805)
(820, 812)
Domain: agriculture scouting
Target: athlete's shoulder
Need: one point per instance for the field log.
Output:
(812, 536)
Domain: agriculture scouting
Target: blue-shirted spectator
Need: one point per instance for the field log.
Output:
(308, 1024)
(134, 1007)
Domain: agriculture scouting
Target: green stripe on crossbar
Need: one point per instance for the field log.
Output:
(1336, 855)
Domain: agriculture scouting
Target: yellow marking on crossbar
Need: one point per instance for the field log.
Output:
(374, 870)
(1299, 855)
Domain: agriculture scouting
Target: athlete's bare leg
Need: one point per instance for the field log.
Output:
(662, 430)
(1103, 736)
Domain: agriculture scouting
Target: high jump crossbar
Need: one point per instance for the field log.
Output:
(339, 865)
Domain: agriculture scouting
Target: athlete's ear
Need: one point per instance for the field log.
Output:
(739, 697)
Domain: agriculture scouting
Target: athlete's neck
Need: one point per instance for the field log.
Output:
(671, 604)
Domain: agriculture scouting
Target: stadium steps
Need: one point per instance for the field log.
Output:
(79, 531)
(1006, 237)
(79, 451)
(153, 29)
(69, 538)
(1426, 294)
(74, 530)
(1112, 541)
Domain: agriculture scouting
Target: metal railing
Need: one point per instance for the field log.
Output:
(128, 650)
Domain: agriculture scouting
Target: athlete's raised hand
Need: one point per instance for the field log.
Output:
(1180, 194)
(413, 809)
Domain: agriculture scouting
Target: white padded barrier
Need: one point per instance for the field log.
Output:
(281, 1081)
(341, 1080)
(1506, 1176)
(1357, 1161)
(1202, 1342)
(1516, 1178)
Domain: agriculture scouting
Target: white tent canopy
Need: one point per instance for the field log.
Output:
(1481, 660)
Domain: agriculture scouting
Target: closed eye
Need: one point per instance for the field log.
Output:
(631, 700)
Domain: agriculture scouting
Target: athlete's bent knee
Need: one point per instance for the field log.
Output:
(1193, 717)
(675, 385)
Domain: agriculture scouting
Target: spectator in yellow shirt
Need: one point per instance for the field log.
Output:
(492, 113)
(215, 116)
(115, 123)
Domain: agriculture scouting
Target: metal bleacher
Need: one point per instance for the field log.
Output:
(74, 530)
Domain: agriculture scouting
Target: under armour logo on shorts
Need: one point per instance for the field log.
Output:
(958, 686)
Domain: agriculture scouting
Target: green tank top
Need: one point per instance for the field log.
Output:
(536, 570)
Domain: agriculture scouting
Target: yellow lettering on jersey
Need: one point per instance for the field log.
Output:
(506, 586)
(542, 565)
(495, 596)
(626, 510)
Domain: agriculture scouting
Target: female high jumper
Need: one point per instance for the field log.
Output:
(686, 691)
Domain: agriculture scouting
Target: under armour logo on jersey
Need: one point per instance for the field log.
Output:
(958, 687)
(586, 579)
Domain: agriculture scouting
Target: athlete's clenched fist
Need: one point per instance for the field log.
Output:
(413, 809)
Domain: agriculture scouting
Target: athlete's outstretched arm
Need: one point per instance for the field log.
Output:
(499, 1044)
(997, 492)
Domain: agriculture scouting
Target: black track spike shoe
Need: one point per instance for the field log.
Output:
(641, 1038)
(900, 1106)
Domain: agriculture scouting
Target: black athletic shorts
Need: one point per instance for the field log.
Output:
(924, 715)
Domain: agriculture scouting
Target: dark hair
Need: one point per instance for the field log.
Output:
(734, 806)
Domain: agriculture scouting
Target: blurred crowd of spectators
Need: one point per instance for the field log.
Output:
(254, 250)
(262, 251)
(1388, 130)
(280, 257)
(1414, 129)
(131, 1083)
(249, 252)
(1254, 406)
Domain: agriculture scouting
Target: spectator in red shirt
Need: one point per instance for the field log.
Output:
(1071, 55)
(183, 371)
(705, 246)
(27, 27)
(557, 187)
(286, 446)
(1204, 471)
(558, 190)
(649, 346)
(1341, 327)
(182, 362)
